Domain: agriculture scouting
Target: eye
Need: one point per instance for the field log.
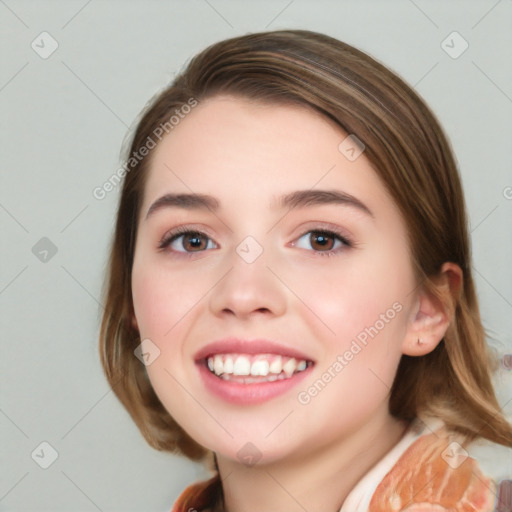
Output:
(324, 242)
(185, 240)
(188, 241)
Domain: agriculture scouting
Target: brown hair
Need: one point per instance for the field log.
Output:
(407, 148)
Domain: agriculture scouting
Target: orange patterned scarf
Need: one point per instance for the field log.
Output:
(434, 474)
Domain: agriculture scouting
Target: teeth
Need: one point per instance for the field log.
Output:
(228, 365)
(261, 365)
(242, 366)
(276, 365)
(290, 366)
(218, 365)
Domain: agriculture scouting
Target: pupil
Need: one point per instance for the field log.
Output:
(322, 240)
(195, 241)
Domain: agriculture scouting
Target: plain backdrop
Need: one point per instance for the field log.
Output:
(64, 118)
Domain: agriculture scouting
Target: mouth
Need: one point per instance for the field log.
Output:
(251, 369)
(250, 372)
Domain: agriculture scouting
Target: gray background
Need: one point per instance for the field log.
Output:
(64, 118)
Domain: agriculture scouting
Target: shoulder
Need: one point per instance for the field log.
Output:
(433, 469)
(439, 471)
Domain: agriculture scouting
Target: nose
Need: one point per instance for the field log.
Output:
(248, 289)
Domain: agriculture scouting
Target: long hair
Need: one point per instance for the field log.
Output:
(410, 153)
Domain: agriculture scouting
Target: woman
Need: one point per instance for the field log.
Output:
(291, 264)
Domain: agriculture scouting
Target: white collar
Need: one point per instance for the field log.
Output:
(360, 496)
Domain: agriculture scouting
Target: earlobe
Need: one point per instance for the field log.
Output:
(424, 340)
(433, 312)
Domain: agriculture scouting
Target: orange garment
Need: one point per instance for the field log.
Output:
(427, 471)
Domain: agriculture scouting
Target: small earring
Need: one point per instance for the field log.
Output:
(420, 341)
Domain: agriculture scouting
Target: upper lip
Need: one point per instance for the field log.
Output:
(255, 346)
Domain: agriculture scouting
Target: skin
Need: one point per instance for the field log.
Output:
(246, 154)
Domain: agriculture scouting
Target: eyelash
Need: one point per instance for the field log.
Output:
(173, 235)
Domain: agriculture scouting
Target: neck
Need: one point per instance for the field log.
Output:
(317, 481)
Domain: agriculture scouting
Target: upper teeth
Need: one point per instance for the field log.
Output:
(261, 364)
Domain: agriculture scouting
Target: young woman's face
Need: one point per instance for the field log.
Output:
(304, 251)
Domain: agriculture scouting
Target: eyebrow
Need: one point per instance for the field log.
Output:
(297, 199)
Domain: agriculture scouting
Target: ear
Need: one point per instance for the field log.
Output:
(433, 311)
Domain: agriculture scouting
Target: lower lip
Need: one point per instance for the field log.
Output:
(248, 394)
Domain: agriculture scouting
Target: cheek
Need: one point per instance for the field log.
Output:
(362, 303)
(162, 302)
(355, 377)
(161, 299)
(346, 297)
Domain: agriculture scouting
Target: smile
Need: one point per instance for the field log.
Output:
(249, 372)
(255, 368)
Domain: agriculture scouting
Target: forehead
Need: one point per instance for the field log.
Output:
(244, 151)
